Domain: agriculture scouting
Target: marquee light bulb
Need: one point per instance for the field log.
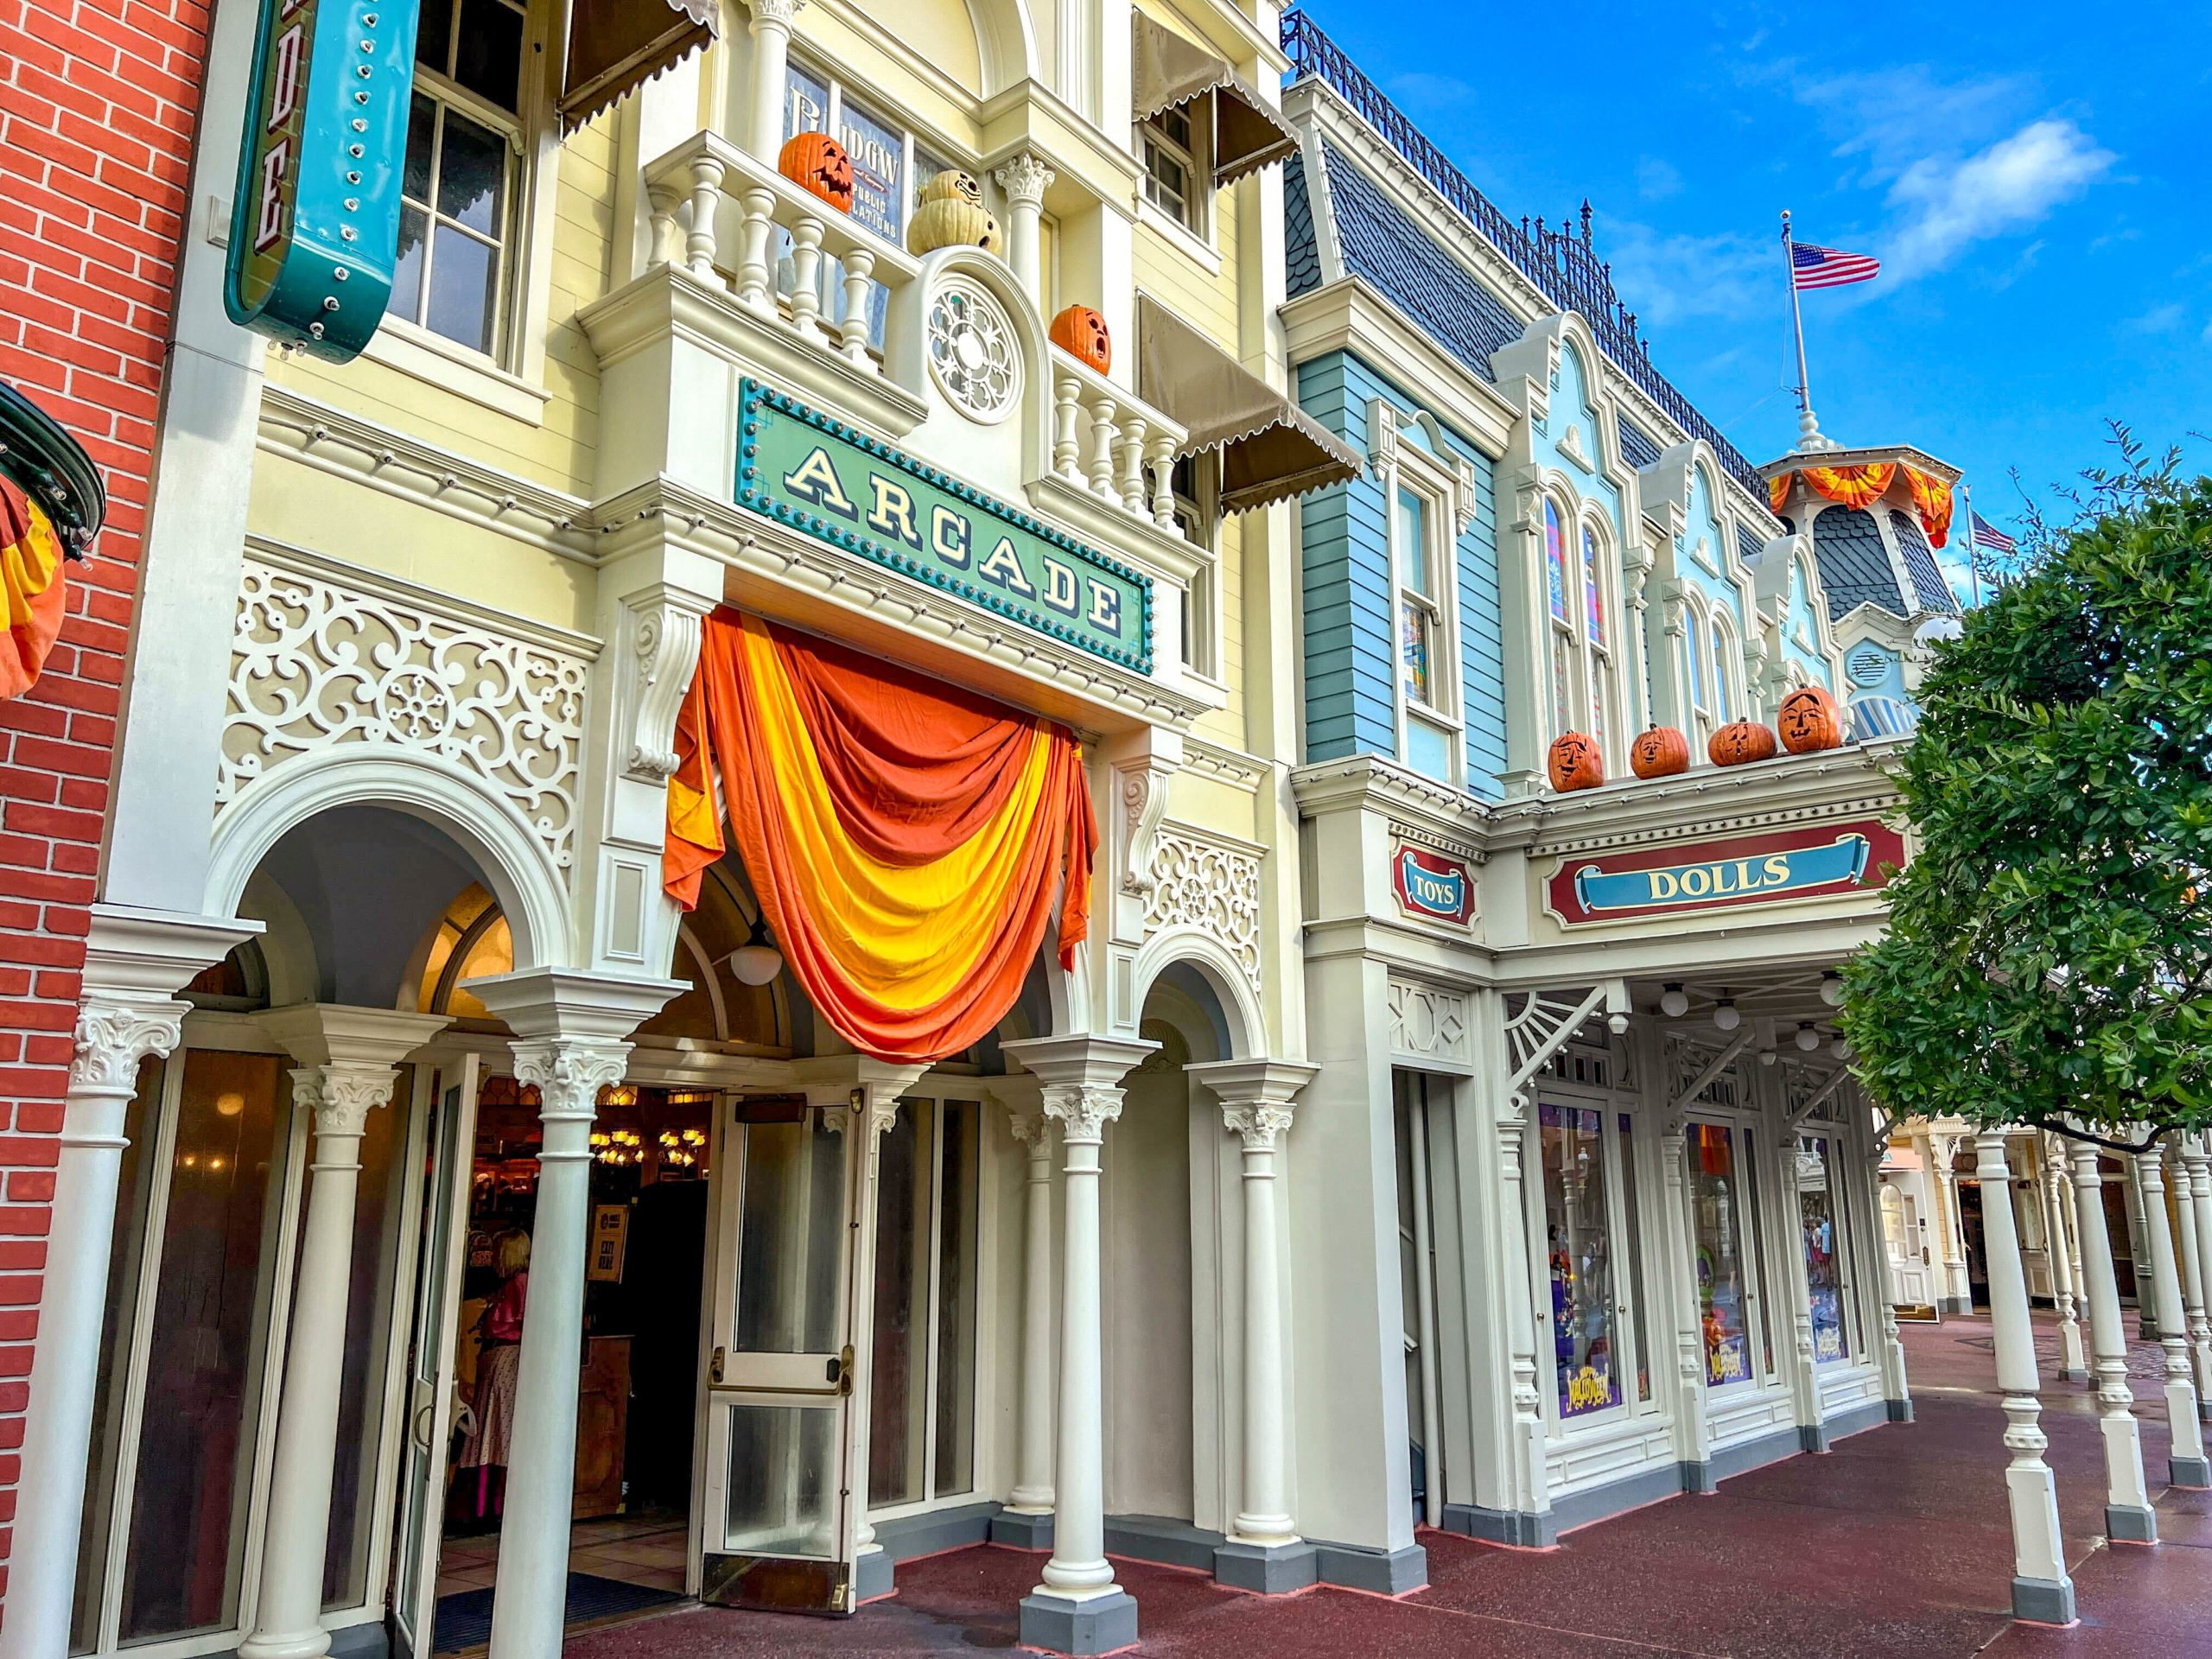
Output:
(1831, 989)
(1726, 1016)
(1673, 1002)
(1807, 1039)
(756, 962)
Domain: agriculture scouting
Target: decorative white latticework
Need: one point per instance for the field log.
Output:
(1210, 885)
(1539, 1023)
(1687, 1061)
(314, 665)
(1427, 1023)
(972, 351)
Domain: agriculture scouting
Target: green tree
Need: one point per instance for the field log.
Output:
(2049, 956)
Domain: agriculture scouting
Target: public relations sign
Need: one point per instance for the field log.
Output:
(1431, 886)
(829, 479)
(314, 221)
(1811, 860)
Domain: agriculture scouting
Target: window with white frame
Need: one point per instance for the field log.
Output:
(1559, 605)
(1694, 631)
(1194, 482)
(1597, 636)
(453, 272)
(1170, 146)
(1421, 520)
(1723, 702)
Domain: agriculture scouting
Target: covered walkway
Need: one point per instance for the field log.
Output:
(1895, 1543)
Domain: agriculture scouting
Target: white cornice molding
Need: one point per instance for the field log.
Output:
(1232, 766)
(342, 444)
(1434, 812)
(1350, 315)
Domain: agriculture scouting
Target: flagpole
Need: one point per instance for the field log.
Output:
(1974, 554)
(1807, 428)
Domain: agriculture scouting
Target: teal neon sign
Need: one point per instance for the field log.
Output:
(314, 223)
(832, 482)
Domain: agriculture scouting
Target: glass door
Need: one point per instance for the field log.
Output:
(432, 1411)
(1724, 1230)
(779, 1523)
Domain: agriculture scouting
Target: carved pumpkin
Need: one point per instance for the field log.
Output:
(816, 161)
(952, 185)
(1739, 743)
(1659, 751)
(952, 222)
(1575, 763)
(1808, 720)
(1081, 331)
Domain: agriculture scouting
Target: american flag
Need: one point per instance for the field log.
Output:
(1813, 266)
(1987, 534)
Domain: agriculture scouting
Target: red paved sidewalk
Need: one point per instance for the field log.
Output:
(1896, 1542)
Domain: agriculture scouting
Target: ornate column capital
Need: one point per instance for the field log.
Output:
(1258, 1126)
(342, 1095)
(1256, 1096)
(780, 13)
(1025, 178)
(1085, 1109)
(568, 1072)
(115, 1033)
(348, 1056)
(1032, 1129)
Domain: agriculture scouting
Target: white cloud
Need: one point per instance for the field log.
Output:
(1655, 180)
(1664, 278)
(1947, 206)
(2159, 319)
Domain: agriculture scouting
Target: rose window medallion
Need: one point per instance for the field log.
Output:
(973, 354)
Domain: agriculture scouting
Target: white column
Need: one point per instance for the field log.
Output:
(2196, 1156)
(1255, 1099)
(2186, 1465)
(1024, 180)
(569, 1043)
(772, 44)
(2073, 1367)
(2192, 1270)
(2128, 1515)
(1078, 1608)
(350, 1058)
(1680, 1275)
(1032, 1465)
(2041, 1589)
(1954, 1290)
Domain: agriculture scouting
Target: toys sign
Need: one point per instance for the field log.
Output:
(1806, 861)
(1432, 886)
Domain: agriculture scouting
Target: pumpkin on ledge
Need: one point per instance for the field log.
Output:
(951, 215)
(1809, 721)
(816, 163)
(1739, 743)
(1659, 751)
(1574, 763)
(1081, 332)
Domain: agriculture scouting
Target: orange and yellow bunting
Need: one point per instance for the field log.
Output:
(906, 838)
(32, 592)
(1861, 487)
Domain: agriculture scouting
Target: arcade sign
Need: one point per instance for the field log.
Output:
(315, 220)
(1811, 860)
(1432, 886)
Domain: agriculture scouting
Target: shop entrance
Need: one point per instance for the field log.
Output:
(636, 1413)
(1977, 1251)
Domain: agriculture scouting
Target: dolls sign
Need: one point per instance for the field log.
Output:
(1805, 862)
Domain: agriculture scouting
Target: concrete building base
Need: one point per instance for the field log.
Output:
(1092, 1625)
(1268, 1569)
(2127, 1524)
(1382, 1573)
(2189, 1471)
(2044, 1601)
(1022, 1530)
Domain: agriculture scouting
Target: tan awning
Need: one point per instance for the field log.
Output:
(1270, 448)
(1166, 71)
(616, 45)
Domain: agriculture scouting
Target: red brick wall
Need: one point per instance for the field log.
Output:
(98, 104)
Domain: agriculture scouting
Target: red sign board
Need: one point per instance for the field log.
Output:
(1807, 861)
(1431, 886)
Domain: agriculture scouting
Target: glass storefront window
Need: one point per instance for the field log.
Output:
(797, 1513)
(1717, 1198)
(792, 1237)
(1635, 1255)
(1823, 1249)
(954, 1454)
(1578, 1246)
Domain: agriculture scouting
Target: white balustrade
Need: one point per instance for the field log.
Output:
(1118, 447)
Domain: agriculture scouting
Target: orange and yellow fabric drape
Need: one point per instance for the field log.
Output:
(33, 594)
(905, 837)
(1861, 487)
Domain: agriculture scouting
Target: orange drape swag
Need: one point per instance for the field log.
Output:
(905, 836)
(33, 595)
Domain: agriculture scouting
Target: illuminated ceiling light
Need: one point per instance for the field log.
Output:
(1725, 1014)
(1673, 1002)
(756, 962)
(1831, 989)
(1807, 1039)
(229, 1105)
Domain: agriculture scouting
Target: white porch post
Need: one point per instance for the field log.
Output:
(2186, 1465)
(1078, 1608)
(1024, 180)
(2198, 1159)
(772, 46)
(2072, 1367)
(2128, 1515)
(349, 1058)
(1027, 1521)
(134, 963)
(2192, 1271)
(1954, 1290)
(569, 1043)
(1680, 1278)
(1264, 1551)
(2041, 1589)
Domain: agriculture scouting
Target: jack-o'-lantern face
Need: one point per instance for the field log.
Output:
(1575, 762)
(1659, 751)
(1081, 331)
(953, 185)
(1808, 720)
(817, 162)
(1740, 743)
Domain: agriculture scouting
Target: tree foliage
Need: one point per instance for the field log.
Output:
(2048, 956)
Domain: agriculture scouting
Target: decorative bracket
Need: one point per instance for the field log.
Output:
(1720, 1062)
(660, 650)
(1141, 767)
(1382, 438)
(1820, 1098)
(1547, 1021)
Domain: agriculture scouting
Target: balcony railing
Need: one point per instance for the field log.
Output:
(1564, 266)
(716, 211)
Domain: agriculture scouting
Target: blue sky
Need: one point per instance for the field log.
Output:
(2035, 180)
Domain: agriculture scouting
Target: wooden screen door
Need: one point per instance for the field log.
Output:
(778, 1527)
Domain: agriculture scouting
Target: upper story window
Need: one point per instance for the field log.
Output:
(1598, 658)
(464, 139)
(1701, 708)
(1419, 624)
(1168, 146)
(1593, 595)
(1722, 700)
(1555, 563)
